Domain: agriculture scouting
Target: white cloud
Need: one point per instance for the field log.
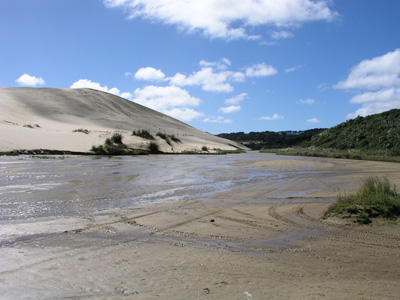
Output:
(169, 100)
(163, 98)
(28, 80)
(277, 35)
(86, 83)
(230, 109)
(379, 72)
(218, 120)
(384, 95)
(126, 95)
(128, 73)
(149, 74)
(259, 70)
(208, 79)
(272, 118)
(222, 64)
(236, 99)
(292, 69)
(378, 82)
(313, 121)
(375, 102)
(307, 101)
(227, 20)
(183, 114)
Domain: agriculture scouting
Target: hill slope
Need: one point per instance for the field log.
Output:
(77, 119)
(380, 132)
(270, 139)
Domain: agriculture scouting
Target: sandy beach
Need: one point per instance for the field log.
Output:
(266, 240)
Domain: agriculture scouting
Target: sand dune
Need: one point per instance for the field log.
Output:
(52, 119)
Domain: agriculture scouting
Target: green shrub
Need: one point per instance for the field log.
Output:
(108, 142)
(204, 148)
(376, 198)
(154, 148)
(111, 146)
(116, 138)
(143, 134)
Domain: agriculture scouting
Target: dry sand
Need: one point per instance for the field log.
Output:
(238, 242)
(57, 119)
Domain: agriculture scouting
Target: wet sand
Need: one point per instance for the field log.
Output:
(264, 238)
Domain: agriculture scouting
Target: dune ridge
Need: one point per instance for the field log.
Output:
(77, 119)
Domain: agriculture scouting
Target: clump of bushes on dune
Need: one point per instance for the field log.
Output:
(154, 148)
(376, 198)
(115, 146)
(143, 134)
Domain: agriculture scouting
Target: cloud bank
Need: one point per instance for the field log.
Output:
(377, 82)
(228, 20)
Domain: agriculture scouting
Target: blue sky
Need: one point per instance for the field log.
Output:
(218, 65)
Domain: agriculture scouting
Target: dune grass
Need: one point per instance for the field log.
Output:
(143, 134)
(376, 198)
(115, 146)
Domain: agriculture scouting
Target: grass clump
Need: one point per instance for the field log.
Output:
(376, 198)
(168, 138)
(143, 134)
(165, 137)
(115, 146)
(175, 139)
(85, 131)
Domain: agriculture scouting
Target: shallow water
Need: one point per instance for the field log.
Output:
(77, 185)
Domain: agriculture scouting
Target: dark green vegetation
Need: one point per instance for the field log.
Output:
(168, 138)
(380, 132)
(271, 140)
(154, 148)
(143, 134)
(335, 153)
(85, 131)
(115, 146)
(375, 137)
(376, 198)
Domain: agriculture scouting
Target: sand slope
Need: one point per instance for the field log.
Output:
(48, 118)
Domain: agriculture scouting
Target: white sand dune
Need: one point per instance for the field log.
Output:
(51, 119)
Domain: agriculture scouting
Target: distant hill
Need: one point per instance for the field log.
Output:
(379, 132)
(272, 140)
(74, 120)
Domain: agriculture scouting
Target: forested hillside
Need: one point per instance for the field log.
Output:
(270, 139)
(374, 132)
